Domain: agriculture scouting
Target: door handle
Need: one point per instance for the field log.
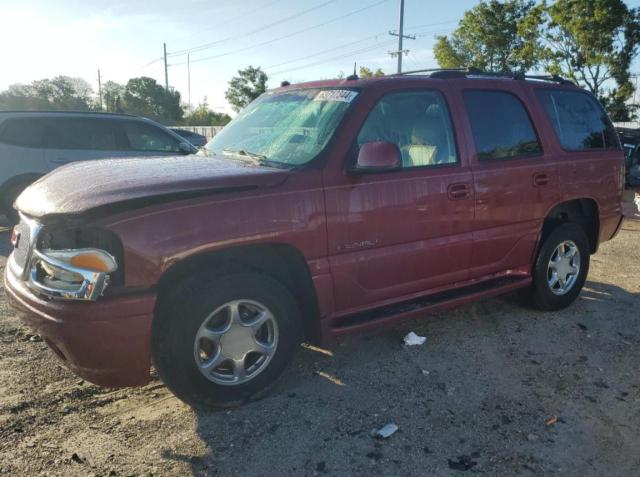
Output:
(540, 179)
(459, 191)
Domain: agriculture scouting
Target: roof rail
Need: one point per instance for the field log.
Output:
(445, 73)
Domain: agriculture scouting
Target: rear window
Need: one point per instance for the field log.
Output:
(579, 120)
(24, 132)
(500, 125)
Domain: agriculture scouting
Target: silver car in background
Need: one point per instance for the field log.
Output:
(32, 143)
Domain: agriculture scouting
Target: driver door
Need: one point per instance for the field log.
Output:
(396, 234)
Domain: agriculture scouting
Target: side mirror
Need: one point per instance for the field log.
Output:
(186, 148)
(378, 157)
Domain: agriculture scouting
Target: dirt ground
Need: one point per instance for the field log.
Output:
(497, 390)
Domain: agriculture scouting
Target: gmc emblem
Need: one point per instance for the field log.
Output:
(15, 238)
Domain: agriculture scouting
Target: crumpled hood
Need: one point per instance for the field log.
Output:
(82, 186)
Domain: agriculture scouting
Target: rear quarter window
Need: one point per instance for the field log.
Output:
(578, 119)
(23, 132)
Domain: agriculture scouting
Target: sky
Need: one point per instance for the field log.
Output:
(293, 40)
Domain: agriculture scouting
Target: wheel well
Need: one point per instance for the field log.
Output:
(282, 262)
(21, 180)
(581, 211)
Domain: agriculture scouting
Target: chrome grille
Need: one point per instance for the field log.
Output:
(19, 261)
(21, 253)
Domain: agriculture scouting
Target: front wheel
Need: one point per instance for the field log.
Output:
(561, 268)
(221, 340)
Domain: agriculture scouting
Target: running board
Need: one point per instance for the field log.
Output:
(430, 303)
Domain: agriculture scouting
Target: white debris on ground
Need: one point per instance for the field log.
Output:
(637, 202)
(385, 431)
(413, 339)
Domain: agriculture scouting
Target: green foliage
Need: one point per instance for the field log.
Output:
(203, 116)
(495, 36)
(365, 72)
(112, 94)
(593, 42)
(247, 86)
(59, 93)
(145, 97)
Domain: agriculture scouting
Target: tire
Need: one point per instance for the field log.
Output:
(211, 298)
(7, 203)
(542, 294)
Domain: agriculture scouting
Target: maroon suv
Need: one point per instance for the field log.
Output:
(323, 208)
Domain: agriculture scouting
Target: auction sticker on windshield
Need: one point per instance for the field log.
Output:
(344, 95)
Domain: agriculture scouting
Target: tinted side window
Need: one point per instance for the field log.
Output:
(418, 123)
(579, 121)
(145, 137)
(24, 132)
(500, 125)
(84, 133)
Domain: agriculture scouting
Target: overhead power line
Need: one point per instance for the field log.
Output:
(339, 57)
(289, 35)
(252, 32)
(319, 53)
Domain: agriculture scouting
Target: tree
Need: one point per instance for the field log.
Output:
(59, 93)
(145, 97)
(593, 42)
(247, 86)
(365, 72)
(495, 36)
(203, 116)
(112, 94)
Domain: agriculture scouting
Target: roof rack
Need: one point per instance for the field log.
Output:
(446, 73)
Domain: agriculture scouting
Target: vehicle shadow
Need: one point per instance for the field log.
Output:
(5, 244)
(476, 395)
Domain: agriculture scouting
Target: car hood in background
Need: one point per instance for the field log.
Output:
(79, 187)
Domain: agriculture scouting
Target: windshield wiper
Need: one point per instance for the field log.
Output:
(258, 159)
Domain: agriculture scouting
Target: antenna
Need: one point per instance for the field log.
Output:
(354, 76)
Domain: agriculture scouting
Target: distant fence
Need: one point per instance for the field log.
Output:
(206, 131)
(630, 124)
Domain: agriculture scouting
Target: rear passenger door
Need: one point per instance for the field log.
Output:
(513, 182)
(399, 233)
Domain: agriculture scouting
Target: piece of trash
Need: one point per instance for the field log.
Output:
(425, 372)
(328, 377)
(551, 421)
(386, 431)
(413, 339)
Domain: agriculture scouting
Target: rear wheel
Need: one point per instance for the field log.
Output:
(7, 203)
(561, 268)
(219, 341)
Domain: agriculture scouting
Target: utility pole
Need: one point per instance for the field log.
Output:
(189, 79)
(100, 89)
(400, 36)
(166, 70)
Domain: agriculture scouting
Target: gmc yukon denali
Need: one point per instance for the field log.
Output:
(324, 208)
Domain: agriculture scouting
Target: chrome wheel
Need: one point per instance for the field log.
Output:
(236, 342)
(563, 268)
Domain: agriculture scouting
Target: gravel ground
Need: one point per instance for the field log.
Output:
(497, 389)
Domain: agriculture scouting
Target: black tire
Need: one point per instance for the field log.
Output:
(9, 198)
(540, 294)
(182, 311)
